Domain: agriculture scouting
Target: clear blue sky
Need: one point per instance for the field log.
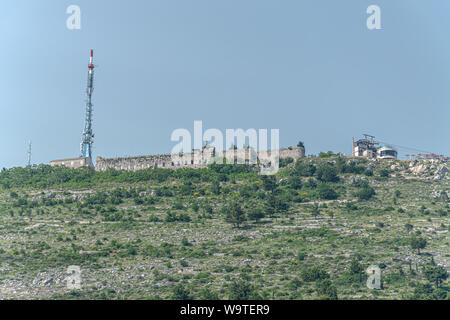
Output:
(309, 68)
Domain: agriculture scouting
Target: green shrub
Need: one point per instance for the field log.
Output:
(314, 273)
(304, 169)
(326, 290)
(242, 290)
(365, 193)
(326, 192)
(327, 173)
(180, 292)
(384, 173)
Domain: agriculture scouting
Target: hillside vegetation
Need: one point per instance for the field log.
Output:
(225, 232)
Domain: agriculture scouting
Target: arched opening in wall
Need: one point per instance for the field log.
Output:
(163, 164)
(173, 164)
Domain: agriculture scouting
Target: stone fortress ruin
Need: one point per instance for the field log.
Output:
(197, 159)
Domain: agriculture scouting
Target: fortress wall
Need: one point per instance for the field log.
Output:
(195, 159)
(167, 161)
(293, 153)
(240, 154)
(132, 163)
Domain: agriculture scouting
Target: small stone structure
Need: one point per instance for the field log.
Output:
(194, 159)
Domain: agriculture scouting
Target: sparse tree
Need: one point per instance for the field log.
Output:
(436, 274)
(408, 227)
(356, 268)
(256, 214)
(418, 243)
(235, 214)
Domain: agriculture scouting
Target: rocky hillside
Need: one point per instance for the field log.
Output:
(224, 232)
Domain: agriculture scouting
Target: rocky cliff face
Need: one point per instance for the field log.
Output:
(429, 169)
